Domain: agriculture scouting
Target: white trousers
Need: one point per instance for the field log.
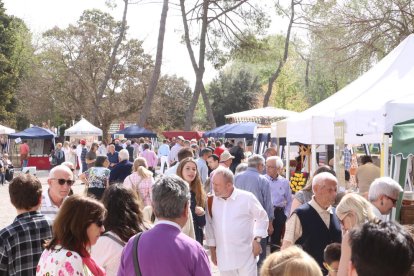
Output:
(248, 269)
(164, 161)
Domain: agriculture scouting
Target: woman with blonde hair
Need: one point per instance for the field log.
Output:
(141, 180)
(290, 262)
(353, 210)
(187, 170)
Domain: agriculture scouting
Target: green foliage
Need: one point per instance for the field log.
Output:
(72, 65)
(233, 91)
(15, 54)
(288, 91)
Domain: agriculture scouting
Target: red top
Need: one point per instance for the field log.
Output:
(218, 151)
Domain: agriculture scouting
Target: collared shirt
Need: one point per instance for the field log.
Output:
(294, 227)
(281, 193)
(151, 158)
(173, 156)
(163, 150)
(378, 214)
(252, 181)
(172, 170)
(21, 243)
(202, 169)
(235, 223)
(47, 208)
(113, 157)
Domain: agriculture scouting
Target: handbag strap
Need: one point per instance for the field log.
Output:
(135, 254)
(115, 239)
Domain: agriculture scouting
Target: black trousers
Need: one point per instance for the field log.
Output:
(279, 229)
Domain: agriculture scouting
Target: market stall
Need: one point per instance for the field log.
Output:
(40, 141)
(83, 130)
(135, 131)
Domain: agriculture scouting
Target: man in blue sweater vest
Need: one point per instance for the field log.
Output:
(314, 224)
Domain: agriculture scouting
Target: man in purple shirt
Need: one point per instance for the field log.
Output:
(281, 199)
(165, 250)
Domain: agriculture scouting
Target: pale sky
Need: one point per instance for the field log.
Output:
(143, 21)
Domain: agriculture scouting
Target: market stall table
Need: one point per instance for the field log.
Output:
(40, 162)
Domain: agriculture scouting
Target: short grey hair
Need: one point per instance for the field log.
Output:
(384, 186)
(240, 168)
(278, 161)
(254, 160)
(59, 168)
(123, 155)
(226, 173)
(319, 179)
(170, 195)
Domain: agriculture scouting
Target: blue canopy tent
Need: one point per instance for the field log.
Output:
(41, 141)
(241, 130)
(33, 133)
(218, 131)
(135, 131)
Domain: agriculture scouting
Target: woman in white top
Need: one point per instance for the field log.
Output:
(141, 180)
(70, 152)
(124, 220)
(76, 228)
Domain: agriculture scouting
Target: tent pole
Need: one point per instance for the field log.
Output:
(313, 160)
(287, 160)
(386, 142)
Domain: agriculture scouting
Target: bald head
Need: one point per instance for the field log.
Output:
(59, 169)
(324, 186)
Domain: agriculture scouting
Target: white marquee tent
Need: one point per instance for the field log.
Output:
(83, 128)
(388, 101)
(266, 114)
(6, 130)
(366, 105)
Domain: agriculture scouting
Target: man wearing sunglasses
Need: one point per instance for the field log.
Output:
(60, 181)
(383, 194)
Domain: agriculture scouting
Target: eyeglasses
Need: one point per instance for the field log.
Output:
(62, 181)
(99, 223)
(329, 268)
(342, 221)
(394, 201)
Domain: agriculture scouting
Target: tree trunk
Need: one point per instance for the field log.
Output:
(198, 69)
(146, 109)
(282, 62)
(109, 69)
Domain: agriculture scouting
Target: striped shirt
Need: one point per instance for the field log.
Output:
(21, 243)
(48, 208)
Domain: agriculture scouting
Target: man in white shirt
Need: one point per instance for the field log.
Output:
(202, 164)
(173, 156)
(236, 223)
(60, 180)
(183, 153)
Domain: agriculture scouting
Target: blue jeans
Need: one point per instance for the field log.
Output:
(262, 256)
(25, 162)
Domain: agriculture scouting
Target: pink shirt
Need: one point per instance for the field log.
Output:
(141, 185)
(151, 157)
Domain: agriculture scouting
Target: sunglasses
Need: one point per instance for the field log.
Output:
(62, 181)
(99, 223)
(394, 201)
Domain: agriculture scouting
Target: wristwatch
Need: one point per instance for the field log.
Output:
(258, 239)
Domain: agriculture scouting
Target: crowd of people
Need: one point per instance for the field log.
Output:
(151, 210)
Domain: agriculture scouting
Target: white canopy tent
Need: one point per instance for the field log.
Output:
(83, 128)
(362, 104)
(6, 130)
(388, 101)
(266, 114)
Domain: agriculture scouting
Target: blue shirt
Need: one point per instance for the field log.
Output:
(113, 157)
(252, 181)
(163, 150)
(281, 193)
